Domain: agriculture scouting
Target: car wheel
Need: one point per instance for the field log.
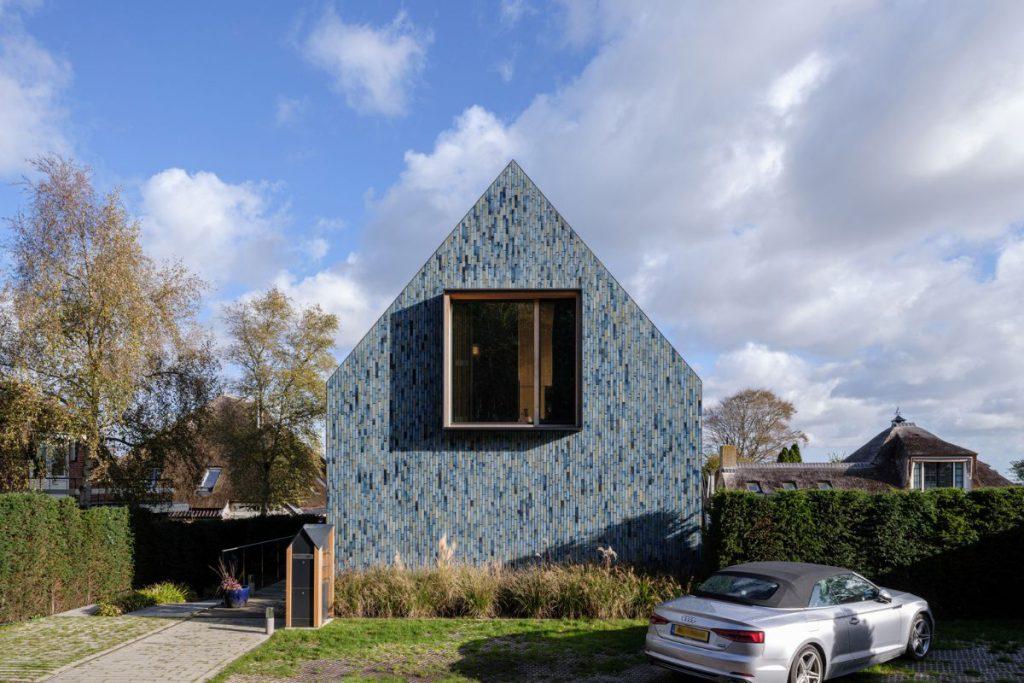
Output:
(920, 640)
(808, 666)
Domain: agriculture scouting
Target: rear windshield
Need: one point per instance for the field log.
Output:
(738, 587)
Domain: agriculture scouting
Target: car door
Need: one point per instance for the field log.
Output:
(873, 628)
(864, 630)
(832, 615)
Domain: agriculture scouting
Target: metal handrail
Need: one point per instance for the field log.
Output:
(249, 545)
(262, 570)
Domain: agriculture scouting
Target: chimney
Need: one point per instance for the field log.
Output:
(726, 456)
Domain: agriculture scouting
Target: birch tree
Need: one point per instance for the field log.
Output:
(274, 435)
(99, 326)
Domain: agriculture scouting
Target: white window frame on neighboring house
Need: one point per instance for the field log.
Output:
(209, 472)
(917, 474)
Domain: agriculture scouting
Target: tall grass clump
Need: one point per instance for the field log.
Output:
(543, 591)
(378, 592)
(164, 593)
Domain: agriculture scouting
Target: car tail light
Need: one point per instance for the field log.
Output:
(657, 619)
(740, 636)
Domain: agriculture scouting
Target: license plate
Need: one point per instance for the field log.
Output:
(690, 632)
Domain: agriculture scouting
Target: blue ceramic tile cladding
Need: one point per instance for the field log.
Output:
(630, 477)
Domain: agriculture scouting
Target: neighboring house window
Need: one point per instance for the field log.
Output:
(154, 479)
(57, 462)
(935, 475)
(825, 485)
(754, 487)
(209, 480)
(512, 359)
(841, 589)
(789, 486)
(72, 452)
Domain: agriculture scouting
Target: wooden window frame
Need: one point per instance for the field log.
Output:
(535, 295)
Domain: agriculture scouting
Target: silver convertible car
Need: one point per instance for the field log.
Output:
(786, 621)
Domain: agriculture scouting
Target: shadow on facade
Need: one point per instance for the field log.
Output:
(654, 540)
(415, 414)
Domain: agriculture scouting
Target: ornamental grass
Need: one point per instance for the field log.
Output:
(542, 591)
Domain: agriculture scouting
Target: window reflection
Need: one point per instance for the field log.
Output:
(513, 361)
(492, 361)
(558, 361)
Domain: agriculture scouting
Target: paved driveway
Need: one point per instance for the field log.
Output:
(193, 649)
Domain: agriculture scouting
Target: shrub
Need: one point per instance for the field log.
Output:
(108, 609)
(954, 548)
(55, 556)
(167, 593)
(543, 591)
(164, 593)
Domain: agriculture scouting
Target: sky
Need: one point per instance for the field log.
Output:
(819, 198)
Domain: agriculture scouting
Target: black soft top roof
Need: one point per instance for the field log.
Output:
(796, 580)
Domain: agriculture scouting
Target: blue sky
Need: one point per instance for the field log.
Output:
(227, 87)
(819, 198)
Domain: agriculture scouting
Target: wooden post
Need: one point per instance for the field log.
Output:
(333, 570)
(288, 587)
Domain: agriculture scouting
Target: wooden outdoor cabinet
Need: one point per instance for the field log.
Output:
(309, 577)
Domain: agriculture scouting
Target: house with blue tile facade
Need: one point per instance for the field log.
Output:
(515, 400)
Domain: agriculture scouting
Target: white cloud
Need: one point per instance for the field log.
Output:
(820, 207)
(512, 11)
(316, 248)
(373, 67)
(507, 69)
(793, 87)
(289, 110)
(32, 84)
(435, 190)
(336, 291)
(222, 231)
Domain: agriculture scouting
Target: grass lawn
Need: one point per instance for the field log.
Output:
(448, 649)
(33, 648)
(511, 649)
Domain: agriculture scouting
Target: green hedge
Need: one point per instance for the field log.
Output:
(961, 551)
(55, 556)
(184, 552)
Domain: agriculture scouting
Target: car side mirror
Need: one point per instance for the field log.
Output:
(884, 596)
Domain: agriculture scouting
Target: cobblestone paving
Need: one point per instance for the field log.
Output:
(192, 650)
(34, 648)
(971, 664)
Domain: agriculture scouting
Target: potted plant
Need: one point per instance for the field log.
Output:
(235, 594)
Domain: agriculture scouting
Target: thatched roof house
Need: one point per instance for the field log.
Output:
(902, 456)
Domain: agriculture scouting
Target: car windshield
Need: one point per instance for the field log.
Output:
(738, 587)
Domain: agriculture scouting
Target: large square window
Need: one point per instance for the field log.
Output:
(511, 359)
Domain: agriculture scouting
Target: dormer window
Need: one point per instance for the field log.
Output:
(511, 359)
(789, 486)
(754, 487)
(940, 474)
(209, 480)
(824, 486)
